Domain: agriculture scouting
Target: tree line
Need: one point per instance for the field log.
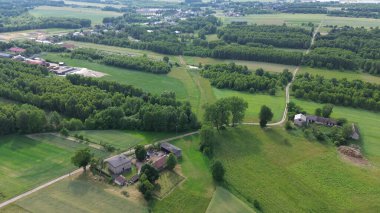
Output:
(342, 92)
(238, 77)
(98, 104)
(278, 36)
(140, 63)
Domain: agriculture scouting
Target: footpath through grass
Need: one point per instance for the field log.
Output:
(287, 173)
(27, 163)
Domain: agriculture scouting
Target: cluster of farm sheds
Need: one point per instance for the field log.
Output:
(125, 164)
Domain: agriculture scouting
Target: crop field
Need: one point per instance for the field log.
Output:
(123, 139)
(96, 16)
(26, 34)
(76, 194)
(255, 101)
(27, 163)
(350, 75)
(195, 193)
(92, 4)
(168, 181)
(287, 173)
(298, 19)
(368, 123)
(224, 201)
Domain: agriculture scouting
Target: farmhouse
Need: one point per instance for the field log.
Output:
(301, 120)
(170, 148)
(119, 164)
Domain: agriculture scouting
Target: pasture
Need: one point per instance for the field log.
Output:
(255, 101)
(95, 15)
(27, 163)
(367, 121)
(195, 193)
(77, 194)
(225, 201)
(123, 139)
(287, 173)
(350, 75)
(298, 19)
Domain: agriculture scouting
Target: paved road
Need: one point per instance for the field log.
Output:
(38, 188)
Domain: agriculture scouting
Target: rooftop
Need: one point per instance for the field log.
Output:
(118, 160)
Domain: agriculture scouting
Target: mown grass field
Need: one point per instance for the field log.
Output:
(350, 75)
(27, 163)
(123, 139)
(195, 193)
(168, 181)
(95, 15)
(287, 173)
(225, 201)
(367, 121)
(92, 4)
(77, 194)
(255, 101)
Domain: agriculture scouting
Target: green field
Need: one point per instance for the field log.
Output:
(255, 101)
(298, 19)
(367, 121)
(350, 75)
(95, 15)
(86, 4)
(224, 201)
(27, 34)
(195, 193)
(149, 82)
(168, 181)
(76, 194)
(287, 173)
(123, 139)
(27, 163)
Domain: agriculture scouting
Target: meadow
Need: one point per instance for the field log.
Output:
(350, 75)
(27, 163)
(298, 19)
(123, 139)
(92, 4)
(225, 201)
(77, 194)
(95, 15)
(168, 181)
(287, 173)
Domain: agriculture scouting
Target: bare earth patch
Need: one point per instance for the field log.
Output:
(90, 73)
(352, 155)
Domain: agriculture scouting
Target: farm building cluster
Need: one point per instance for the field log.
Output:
(121, 166)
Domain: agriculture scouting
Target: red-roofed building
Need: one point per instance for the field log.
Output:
(17, 50)
(160, 163)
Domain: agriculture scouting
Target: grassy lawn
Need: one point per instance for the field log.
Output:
(252, 65)
(298, 19)
(27, 163)
(367, 121)
(224, 201)
(77, 194)
(350, 75)
(95, 15)
(195, 193)
(149, 82)
(287, 173)
(123, 139)
(255, 101)
(168, 181)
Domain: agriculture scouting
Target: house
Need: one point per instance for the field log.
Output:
(300, 119)
(17, 50)
(120, 180)
(5, 55)
(119, 164)
(355, 132)
(160, 163)
(170, 148)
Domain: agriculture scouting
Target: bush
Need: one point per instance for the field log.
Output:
(288, 125)
(218, 171)
(64, 132)
(257, 205)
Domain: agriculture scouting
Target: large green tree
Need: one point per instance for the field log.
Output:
(82, 158)
(237, 107)
(171, 162)
(218, 171)
(265, 116)
(217, 114)
(140, 152)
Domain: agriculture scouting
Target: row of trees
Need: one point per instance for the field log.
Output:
(278, 36)
(354, 93)
(99, 104)
(238, 77)
(140, 63)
